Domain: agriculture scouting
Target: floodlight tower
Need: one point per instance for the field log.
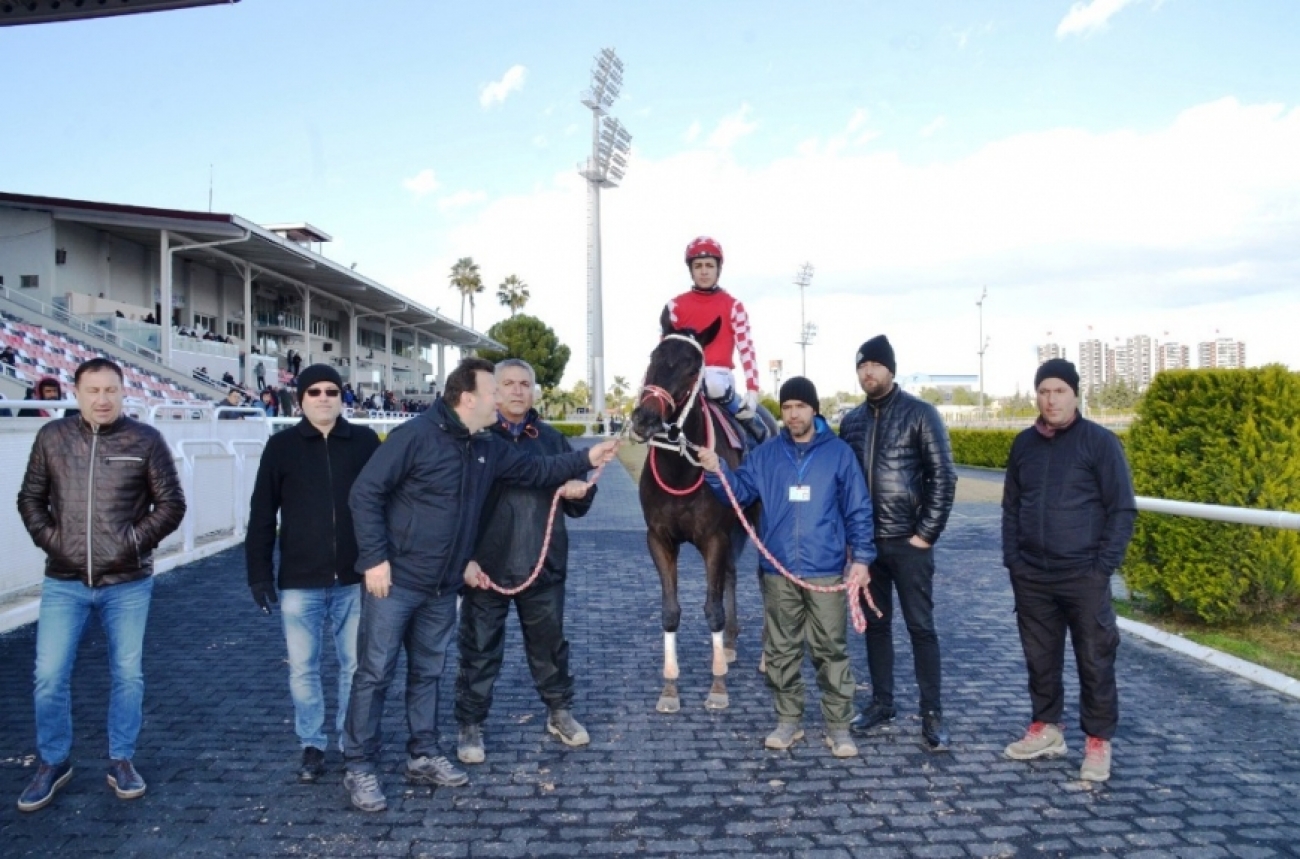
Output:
(610, 144)
(807, 330)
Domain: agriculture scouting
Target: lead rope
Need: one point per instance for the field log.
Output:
(855, 593)
(546, 541)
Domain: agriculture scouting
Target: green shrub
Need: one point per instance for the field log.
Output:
(989, 448)
(571, 430)
(1229, 437)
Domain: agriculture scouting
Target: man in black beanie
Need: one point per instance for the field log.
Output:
(1067, 517)
(903, 449)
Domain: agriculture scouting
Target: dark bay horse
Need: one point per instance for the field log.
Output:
(674, 418)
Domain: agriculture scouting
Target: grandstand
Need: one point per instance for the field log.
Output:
(79, 278)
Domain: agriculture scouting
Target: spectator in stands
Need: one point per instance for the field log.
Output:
(259, 374)
(285, 396)
(227, 378)
(149, 318)
(8, 356)
(515, 522)
(349, 396)
(305, 475)
(268, 404)
(416, 508)
(233, 400)
(295, 362)
(136, 503)
(47, 388)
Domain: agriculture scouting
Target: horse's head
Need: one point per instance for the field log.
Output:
(676, 365)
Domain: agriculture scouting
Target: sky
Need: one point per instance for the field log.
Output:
(1103, 168)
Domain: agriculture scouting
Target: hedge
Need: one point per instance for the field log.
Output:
(1229, 437)
(571, 430)
(989, 448)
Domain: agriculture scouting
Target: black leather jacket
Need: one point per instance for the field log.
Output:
(99, 500)
(903, 448)
(514, 518)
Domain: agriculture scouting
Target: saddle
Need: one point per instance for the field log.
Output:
(738, 438)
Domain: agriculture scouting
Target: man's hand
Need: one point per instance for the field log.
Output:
(748, 405)
(918, 542)
(475, 577)
(859, 575)
(264, 595)
(602, 453)
(709, 460)
(574, 490)
(379, 579)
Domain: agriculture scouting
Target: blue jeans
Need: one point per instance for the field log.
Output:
(306, 614)
(423, 624)
(123, 612)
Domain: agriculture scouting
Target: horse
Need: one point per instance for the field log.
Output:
(674, 418)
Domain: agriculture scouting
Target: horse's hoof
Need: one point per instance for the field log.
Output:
(730, 654)
(717, 701)
(668, 705)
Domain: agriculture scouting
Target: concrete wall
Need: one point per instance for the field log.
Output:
(28, 248)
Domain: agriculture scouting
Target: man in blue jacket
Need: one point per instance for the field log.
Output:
(816, 514)
(1067, 517)
(513, 527)
(416, 508)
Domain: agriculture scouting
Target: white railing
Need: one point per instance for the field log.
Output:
(77, 323)
(1219, 513)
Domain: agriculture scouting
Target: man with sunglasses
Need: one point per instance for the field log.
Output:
(306, 474)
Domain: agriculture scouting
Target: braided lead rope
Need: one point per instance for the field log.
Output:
(855, 593)
(546, 541)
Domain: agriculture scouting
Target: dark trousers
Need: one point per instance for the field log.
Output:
(483, 643)
(1082, 605)
(902, 567)
(421, 623)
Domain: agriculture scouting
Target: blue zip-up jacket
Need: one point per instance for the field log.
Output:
(417, 502)
(807, 537)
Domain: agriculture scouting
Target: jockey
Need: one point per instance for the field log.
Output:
(697, 310)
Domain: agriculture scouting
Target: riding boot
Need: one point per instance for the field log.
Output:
(755, 426)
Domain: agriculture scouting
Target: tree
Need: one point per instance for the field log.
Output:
(465, 278)
(617, 391)
(582, 393)
(934, 396)
(530, 339)
(513, 293)
(557, 402)
(1118, 395)
(964, 397)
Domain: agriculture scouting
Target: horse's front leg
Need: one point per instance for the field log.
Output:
(664, 553)
(718, 567)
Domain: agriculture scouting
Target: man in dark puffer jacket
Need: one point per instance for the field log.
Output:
(511, 531)
(1067, 517)
(903, 448)
(100, 493)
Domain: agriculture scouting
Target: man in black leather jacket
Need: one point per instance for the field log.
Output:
(511, 532)
(903, 448)
(99, 495)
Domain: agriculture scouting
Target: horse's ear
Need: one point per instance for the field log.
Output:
(706, 336)
(666, 322)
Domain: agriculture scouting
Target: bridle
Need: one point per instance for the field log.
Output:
(673, 435)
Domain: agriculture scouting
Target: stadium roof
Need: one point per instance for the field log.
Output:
(247, 242)
(14, 12)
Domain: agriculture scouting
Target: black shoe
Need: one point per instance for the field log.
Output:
(875, 715)
(47, 781)
(313, 765)
(933, 731)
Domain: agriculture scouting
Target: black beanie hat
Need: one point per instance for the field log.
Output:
(799, 388)
(317, 373)
(877, 349)
(1058, 368)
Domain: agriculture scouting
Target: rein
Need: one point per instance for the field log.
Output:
(673, 435)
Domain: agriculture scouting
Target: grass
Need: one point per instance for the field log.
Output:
(1273, 644)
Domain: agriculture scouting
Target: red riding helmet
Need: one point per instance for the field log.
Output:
(704, 247)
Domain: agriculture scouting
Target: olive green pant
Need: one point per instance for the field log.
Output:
(793, 615)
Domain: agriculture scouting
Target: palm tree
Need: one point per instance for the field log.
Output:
(617, 390)
(513, 293)
(465, 277)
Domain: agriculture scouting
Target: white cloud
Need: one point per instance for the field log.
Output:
(693, 133)
(1089, 16)
(497, 91)
(460, 200)
(732, 128)
(1185, 228)
(934, 126)
(422, 183)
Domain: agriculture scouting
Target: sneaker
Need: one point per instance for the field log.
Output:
(1040, 741)
(875, 715)
(469, 744)
(47, 781)
(313, 765)
(1096, 760)
(363, 789)
(562, 724)
(933, 732)
(124, 780)
(436, 771)
(840, 743)
(784, 736)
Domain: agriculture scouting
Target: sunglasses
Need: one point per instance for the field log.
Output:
(328, 392)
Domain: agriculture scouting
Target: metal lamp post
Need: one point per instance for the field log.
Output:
(984, 345)
(807, 330)
(610, 144)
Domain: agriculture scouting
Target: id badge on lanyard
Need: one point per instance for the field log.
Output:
(800, 493)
